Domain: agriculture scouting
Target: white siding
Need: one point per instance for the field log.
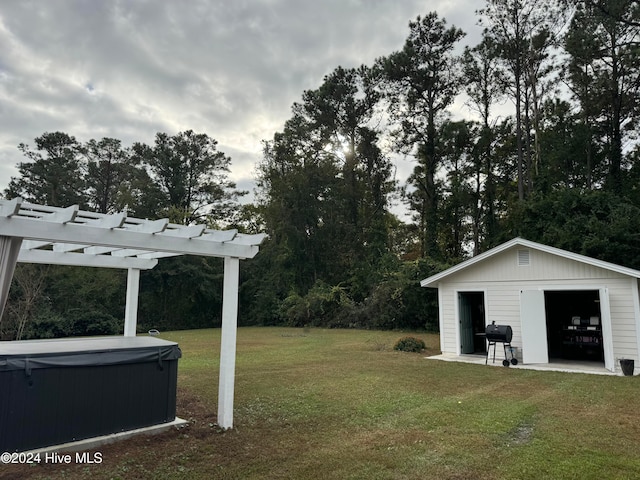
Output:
(448, 311)
(544, 266)
(502, 279)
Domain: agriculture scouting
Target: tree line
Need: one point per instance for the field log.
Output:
(559, 168)
(183, 177)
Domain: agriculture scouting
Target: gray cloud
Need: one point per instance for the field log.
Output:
(231, 69)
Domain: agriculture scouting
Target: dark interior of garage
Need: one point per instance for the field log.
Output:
(574, 326)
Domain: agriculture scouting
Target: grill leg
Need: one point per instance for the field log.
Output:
(486, 358)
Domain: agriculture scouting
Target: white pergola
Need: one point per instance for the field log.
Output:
(33, 233)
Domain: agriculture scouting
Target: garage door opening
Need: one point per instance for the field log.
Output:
(574, 325)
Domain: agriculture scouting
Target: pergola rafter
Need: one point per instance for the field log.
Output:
(33, 233)
(73, 231)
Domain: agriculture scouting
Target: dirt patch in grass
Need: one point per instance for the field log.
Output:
(521, 435)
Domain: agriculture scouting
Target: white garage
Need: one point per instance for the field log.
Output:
(560, 305)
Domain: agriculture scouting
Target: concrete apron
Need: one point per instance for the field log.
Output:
(557, 365)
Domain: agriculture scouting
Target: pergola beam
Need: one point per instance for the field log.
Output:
(117, 238)
(84, 260)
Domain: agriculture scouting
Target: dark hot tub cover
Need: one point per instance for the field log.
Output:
(85, 351)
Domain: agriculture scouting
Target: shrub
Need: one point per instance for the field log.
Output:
(409, 344)
(91, 322)
(46, 323)
(399, 302)
(323, 306)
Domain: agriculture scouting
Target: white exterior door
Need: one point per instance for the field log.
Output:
(607, 335)
(533, 324)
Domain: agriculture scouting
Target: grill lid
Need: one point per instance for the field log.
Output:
(499, 333)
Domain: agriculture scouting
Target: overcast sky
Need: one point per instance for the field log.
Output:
(128, 69)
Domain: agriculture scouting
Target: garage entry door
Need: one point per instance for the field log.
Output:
(534, 327)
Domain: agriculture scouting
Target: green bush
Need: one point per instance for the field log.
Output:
(323, 306)
(399, 302)
(409, 344)
(45, 323)
(83, 323)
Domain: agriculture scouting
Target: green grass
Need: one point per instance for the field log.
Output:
(336, 404)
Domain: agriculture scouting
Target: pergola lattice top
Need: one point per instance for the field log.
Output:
(70, 236)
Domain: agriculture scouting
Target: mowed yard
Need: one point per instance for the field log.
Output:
(342, 404)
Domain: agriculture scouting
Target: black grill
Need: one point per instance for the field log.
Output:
(500, 334)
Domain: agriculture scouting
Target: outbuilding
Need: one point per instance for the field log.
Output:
(561, 306)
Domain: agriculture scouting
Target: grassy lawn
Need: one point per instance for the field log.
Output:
(336, 404)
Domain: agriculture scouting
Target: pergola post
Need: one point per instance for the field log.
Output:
(9, 250)
(228, 341)
(131, 308)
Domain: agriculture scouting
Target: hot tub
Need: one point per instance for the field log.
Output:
(59, 391)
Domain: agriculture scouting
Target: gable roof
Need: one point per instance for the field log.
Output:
(433, 280)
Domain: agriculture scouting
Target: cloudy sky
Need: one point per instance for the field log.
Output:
(228, 68)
